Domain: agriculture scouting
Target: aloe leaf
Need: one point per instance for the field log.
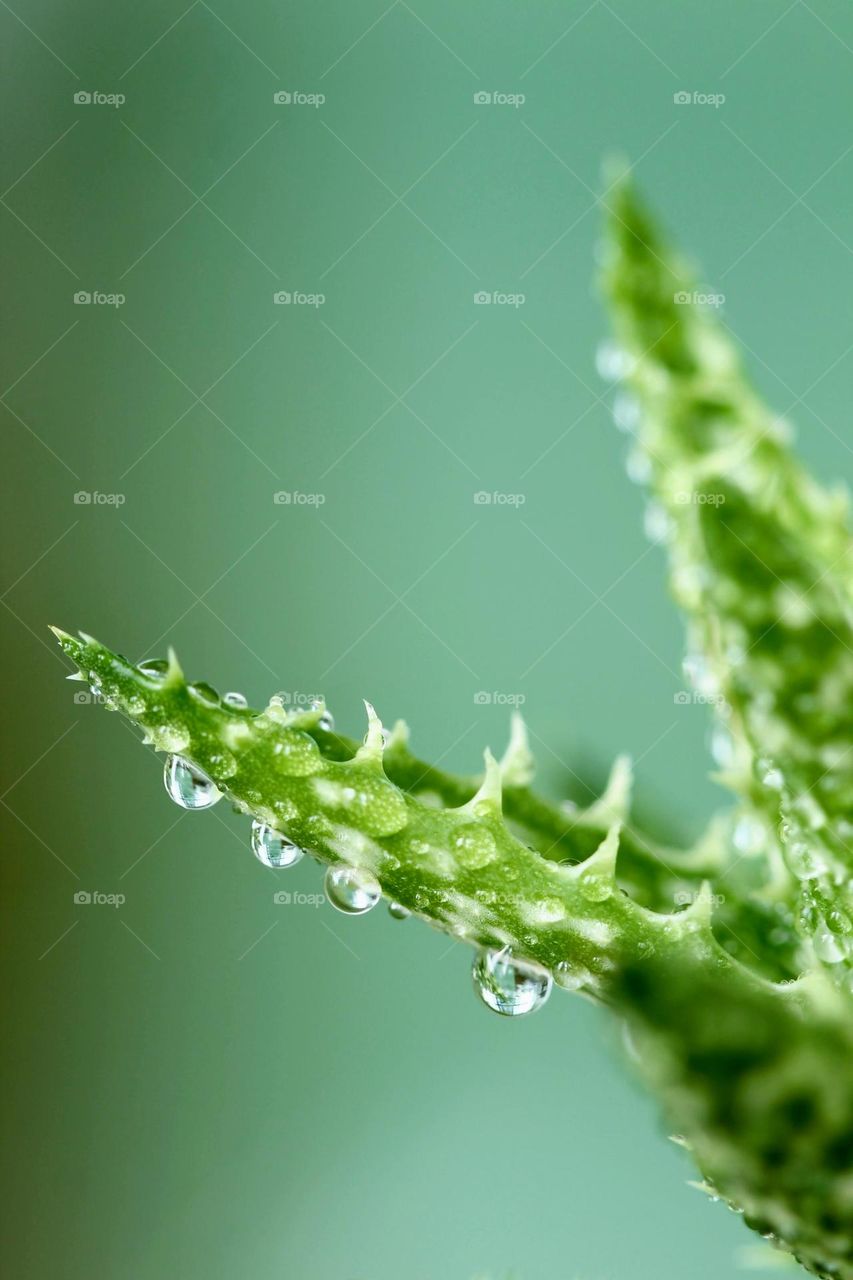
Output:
(747, 1043)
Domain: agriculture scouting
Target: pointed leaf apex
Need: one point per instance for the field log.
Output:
(517, 765)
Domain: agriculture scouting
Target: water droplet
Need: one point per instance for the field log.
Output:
(473, 845)
(351, 890)
(272, 848)
(611, 362)
(397, 911)
(509, 986)
(327, 720)
(233, 699)
(702, 677)
(638, 467)
(205, 693)
(170, 737)
(154, 667)
(626, 412)
(568, 977)
(769, 774)
(827, 947)
(188, 785)
(749, 835)
(594, 886)
(296, 754)
(656, 523)
(722, 747)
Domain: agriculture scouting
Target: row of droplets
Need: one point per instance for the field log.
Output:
(504, 984)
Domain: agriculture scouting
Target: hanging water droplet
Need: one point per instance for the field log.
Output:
(188, 785)
(235, 700)
(397, 911)
(749, 835)
(626, 412)
(722, 747)
(638, 467)
(272, 848)
(656, 523)
(508, 986)
(351, 890)
(611, 362)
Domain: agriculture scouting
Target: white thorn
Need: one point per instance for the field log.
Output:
(374, 743)
(491, 790)
(614, 802)
(517, 764)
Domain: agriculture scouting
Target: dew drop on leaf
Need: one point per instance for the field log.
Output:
(272, 848)
(188, 785)
(351, 890)
(508, 986)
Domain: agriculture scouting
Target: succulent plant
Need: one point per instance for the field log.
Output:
(730, 961)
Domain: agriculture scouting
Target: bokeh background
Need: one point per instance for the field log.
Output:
(200, 1082)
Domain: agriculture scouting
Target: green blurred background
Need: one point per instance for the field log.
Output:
(200, 1082)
